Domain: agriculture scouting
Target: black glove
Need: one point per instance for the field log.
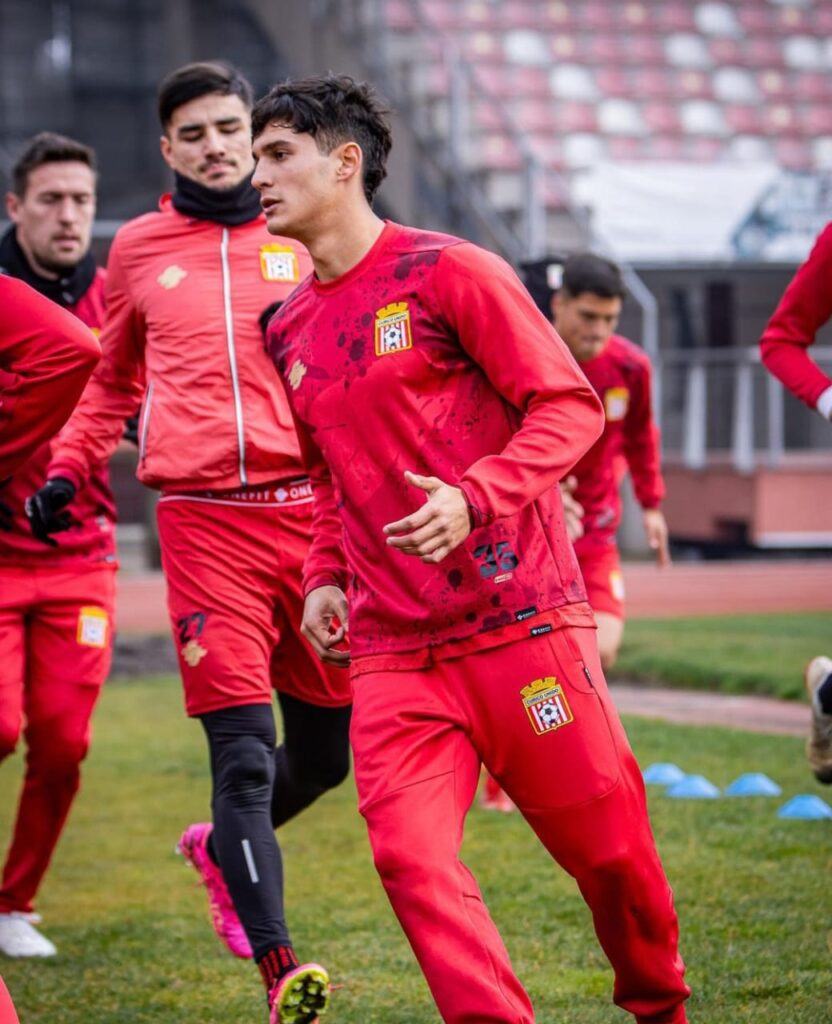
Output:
(131, 430)
(43, 509)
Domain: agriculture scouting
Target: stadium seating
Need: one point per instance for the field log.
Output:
(639, 79)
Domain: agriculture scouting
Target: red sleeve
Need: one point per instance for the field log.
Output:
(805, 307)
(325, 564)
(46, 358)
(641, 442)
(526, 362)
(115, 390)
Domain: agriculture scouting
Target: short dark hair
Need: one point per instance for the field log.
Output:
(49, 148)
(333, 109)
(586, 272)
(199, 79)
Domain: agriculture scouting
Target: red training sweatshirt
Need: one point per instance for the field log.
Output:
(429, 355)
(92, 537)
(46, 358)
(805, 307)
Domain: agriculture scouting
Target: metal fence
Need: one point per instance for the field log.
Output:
(723, 402)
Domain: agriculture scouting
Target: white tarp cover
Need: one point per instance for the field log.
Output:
(669, 211)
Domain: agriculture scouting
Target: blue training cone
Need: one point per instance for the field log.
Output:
(807, 806)
(662, 773)
(753, 784)
(693, 787)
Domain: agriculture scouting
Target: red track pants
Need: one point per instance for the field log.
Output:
(560, 752)
(55, 649)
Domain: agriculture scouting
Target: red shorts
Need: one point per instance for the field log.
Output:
(601, 568)
(233, 569)
(56, 633)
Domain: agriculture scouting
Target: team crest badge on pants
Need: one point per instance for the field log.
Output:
(546, 705)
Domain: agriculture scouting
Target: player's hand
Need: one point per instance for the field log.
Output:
(439, 526)
(573, 511)
(322, 607)
(45, 509)
(656, 529)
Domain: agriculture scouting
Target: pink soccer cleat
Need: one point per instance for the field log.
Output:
(300, 996)
(193, 847)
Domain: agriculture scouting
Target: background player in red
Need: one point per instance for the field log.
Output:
(56, 595)
(585, 307)
(421, 375)
(804, 308)
(186, 286)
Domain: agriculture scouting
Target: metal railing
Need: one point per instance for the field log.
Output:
(724, 401)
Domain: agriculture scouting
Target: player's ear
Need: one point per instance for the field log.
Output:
(350, 160)
(12, 206)
(165, 148)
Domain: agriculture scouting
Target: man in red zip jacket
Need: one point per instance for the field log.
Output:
(422, 377)
(804, 308)
(186, 286)
(56, 596)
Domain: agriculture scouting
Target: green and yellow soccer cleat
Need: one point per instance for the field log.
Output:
(301, 996)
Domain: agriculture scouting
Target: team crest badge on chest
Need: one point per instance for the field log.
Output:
(616, 403)
(546, 705)
(393, 329)
(279, 263)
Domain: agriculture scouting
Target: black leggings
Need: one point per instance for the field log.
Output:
(257, 787)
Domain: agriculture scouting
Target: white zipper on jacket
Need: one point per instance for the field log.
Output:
(232, 354)
(148, 402)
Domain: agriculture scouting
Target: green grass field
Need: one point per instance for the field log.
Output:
(136, 946)
(734, 654)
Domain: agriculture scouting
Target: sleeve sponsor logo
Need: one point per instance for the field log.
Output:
(546, 705)
(296, 374)
(279, 263)
(616, 403)
(93, 627)
(393, 332)
(171, 277)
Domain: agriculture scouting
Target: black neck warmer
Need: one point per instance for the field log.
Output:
(66, 290)
(231, 206)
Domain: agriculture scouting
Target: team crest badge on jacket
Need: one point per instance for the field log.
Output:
(279, 263)
(546, 705)
(393, 329)
(616, 403)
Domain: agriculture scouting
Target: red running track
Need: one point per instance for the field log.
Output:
(702, 588)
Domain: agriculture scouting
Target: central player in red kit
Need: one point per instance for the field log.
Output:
(437, 410)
